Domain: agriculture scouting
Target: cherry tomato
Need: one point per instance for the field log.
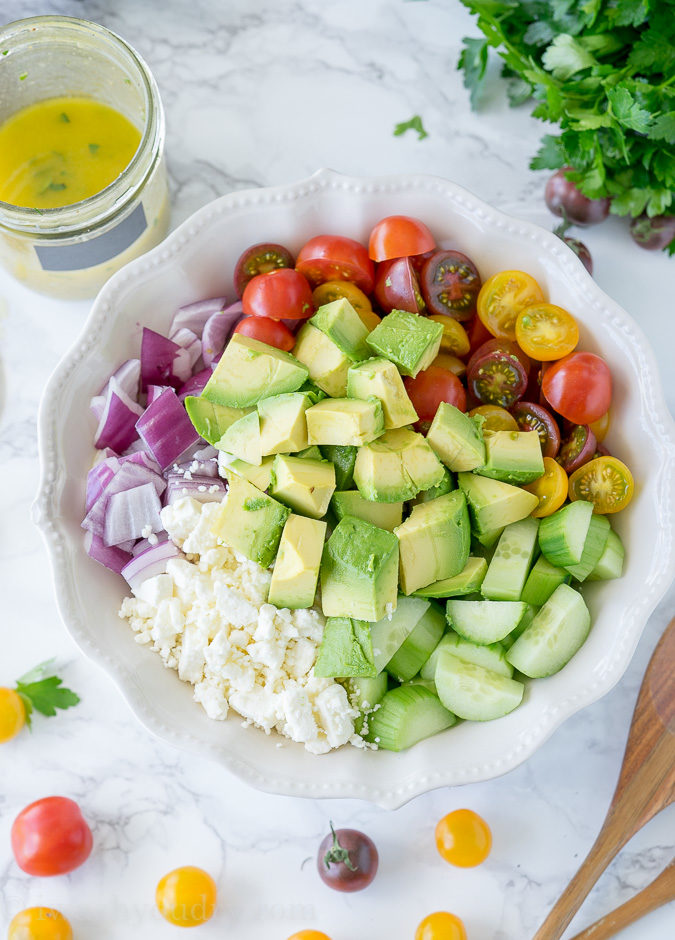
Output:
(451, 363)
(418, 261)
(497, 373)
(550, 489)
(501, 299)
(477, 333)
(580, 250)
(532, 417)
(272, 332)
(440, 926)
(653, 233)
(51, 837)
(429, 388)
(12, 714)
(309, 935)
(399, 236)
(546, 332)
(579, 387)
(463, 838)
(347, 860)
(600, 427)
(454, 339)
(260, 259)
(564, 199)
(397, 287)
(496, 418)
(606, 482)
(450, 284)
(336, 258)
(186, 896)
(577, 449)
(337, 290)
(39, 923)
(281, 295)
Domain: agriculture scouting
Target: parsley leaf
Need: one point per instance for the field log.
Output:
(44, 693)
(473, 60)
(414, 124)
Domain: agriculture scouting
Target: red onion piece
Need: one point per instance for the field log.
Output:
(218, 330)
(108, 555)
(142, 545)
(194, 316)
(190, 343)
(166, 429)
(98, 478)
(196, 384)
(153, 392)
(127, 377)
(149, 563)
(117, 424)
(158, 358)
(132, 514)
(204, 489)
(129, 475)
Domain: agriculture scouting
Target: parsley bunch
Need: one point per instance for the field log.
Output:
(604, 71)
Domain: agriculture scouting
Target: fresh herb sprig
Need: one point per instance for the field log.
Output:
(42, 691)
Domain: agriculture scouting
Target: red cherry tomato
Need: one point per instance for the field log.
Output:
(450, 284)
(497, 373)
(336, 258)
(429, 388)
(399, 236)
(579, 387)
(260, 259)
(533, 417)
(397, 287)
(478, 333)
(51, 837)
(272, 332)
(281, 295)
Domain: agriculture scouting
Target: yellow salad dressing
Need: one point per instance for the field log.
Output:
(62, 150)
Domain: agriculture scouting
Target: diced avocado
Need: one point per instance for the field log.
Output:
(594, 546)
(610, 565)
(348, 422)
(416, 649)
(283, 427)
(542, 582)
(493, 504)
(341, 323)
(447, 485)
(250, 370)
(487, 540)
(554, 636)
(434, 541)
(562, 535)
(296, 569)
(211, 421)
(380, 378)
(359, 571)
(326, 363)
(315, 393)
(346, 649)
(406, 715)
(310, 453)
(511, 561)
(304, 485)
(512, 456)
(391, 632)
(396, 467)
(408, 340)
(456, 438)
(468, 581)
(492, 656)
(351, 503)
(250, 522)
(242, 439)
(259, 476)
(343, 459)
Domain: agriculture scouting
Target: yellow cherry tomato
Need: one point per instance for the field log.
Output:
(496, 418)
(451, 363)
(606, 482)
(463, 838)
(501, 299)
(12, 714)
(337, 290)
(39, 923)
(600, 427)
(455, 339)
(441, 926)
(550, 489)
(186, 896)
(309, 935)
(546, 332)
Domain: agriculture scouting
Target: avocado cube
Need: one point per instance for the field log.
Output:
(346, 650)
(512, 456)
(326, 364)
(296, 569)
(343, 459)
(380, 378)
(493, 504)
(283, 426)
(345, 421)
(351, 503)
(315, 393)
(259, 476)
(310, 453)
(408, 340)
(250, 522)
(250, 370)
(434, 541)
(456, 439)
(359, 571)
(304, 485)
(242, 439)
(447, 485)
(396, 467)
(211, 421)
(341, 323)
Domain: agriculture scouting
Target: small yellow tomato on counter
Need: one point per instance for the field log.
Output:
(440, 926)
(12, 714)
(186, 896)
(463, 838)
(309, 935)
(39, 923)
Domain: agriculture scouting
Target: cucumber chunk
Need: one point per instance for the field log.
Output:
(407, 715)
(562, 535)
(467, 581)
(473, 692)
(542, 582)
(394, 629)
(610, 565)
(491, 657)
(554, 636)
(484, 622)
(506, 576)
(418, 647)
(529, 614)
(594, 546)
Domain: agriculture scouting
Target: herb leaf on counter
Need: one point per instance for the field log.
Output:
(414, 124)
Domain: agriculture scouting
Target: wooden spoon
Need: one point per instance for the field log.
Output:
(646, 782)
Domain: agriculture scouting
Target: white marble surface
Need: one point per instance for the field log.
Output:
(260, 93)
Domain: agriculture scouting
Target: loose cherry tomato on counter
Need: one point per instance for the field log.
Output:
(309, 935)
(397, 287)
(441, 926)
(451, 363)
(454, 339)
(577, 449)
(272, 332)
(579, 249)
(186, 896)
(12, 714)
(653, 233)
(501, 299)
(260, 259)
(496, 418)
(330, 291)
(497, 373)
(579, 387)
(532, 417)
(450, 284)
(39, 923)
(347, 860)
(336, 258)
(429, 388)
(550, 489)
(546, 332)
(463, 838)
(606, 482)
(399, 236)
(281, 295)
(600, 427)
(564, 199)
(51, 837)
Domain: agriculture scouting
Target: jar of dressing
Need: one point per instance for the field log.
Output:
(83, 187)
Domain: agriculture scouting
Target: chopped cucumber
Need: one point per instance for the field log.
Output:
(594, 546)
(393, 630)
(529, 614)
(554, 636)
(407, 715)
(562, 535)
(491, 657)
(510, 565)
(610, 565)
(467, 581)
(542, 582)
(484, 622)
(473, 692)
(418, 647)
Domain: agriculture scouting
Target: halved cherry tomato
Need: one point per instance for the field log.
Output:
(260, 259)
(496, 418)
(272, 332)
(399, 236)
(51, 837)
(440, 926)
(12, 714)
(397, 287)
(418, 261)
(577, 449)
(429, 388)
(450, 284)
(39, 923)
(532, 417)
(546, 332)
(550, 489)
(451, 363)
(281, 295)
(501, 299)
(600, 427)
(463, 838)
(579, 387)
(497, 373)
(186, 896)
(606, 482)
(337, 290)
(336, 258)
(477, 333)
(454, 339)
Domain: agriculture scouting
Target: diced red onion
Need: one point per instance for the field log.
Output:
(196, 384)
(132, 514)
(143, 458)
(127, 546)
(158, 358)
(127, 377)
(109, 555)
(149, 563)
(218, 330)
(117, 424)
(204, 489)
(166, 429)
(97, 405)
(143, 545)
(128, 476)
(98, 478)
(190, 342)
(194, 316)
(153, 392)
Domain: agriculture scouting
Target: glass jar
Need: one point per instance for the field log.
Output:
(72, 250)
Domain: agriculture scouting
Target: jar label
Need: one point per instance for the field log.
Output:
(97, 250)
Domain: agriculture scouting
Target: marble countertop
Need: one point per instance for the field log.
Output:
(258, 94)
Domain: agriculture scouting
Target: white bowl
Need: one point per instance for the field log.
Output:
(197, 261)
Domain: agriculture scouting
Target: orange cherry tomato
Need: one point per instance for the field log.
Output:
(441, 926)
(309, 935)
(12, 714)
(463, 838)
(273, 332)
(550, 489)
(399, 236)
(329, 291)
(454, 339)
(496, 418)
(600, 427)
(39, 923)
(186, 896)
(546, 332)
(606, 482)
(501, 299)
(336, 258)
